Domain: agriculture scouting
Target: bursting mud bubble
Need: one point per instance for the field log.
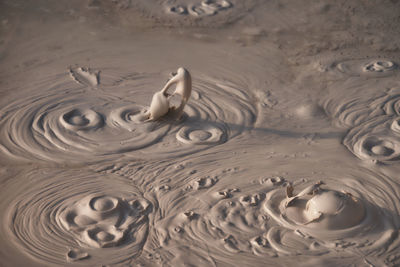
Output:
(199, 133)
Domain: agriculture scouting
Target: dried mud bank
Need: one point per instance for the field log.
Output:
(287, 150)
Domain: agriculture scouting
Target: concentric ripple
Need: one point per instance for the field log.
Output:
(103, 221)
(379, 66)
(203, 8)
(218, 112)
(377, 140)
(362, 102)
(202, 134)
(64, 121)
(336, 213)
(128, 117)
(76, 216)
(389, 102)
(366, 67)
(205, 13)
(342, 212)
(81, 120)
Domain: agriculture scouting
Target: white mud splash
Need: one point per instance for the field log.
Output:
(160, 103)
(235, 181)
(64, 122)
(76, 216)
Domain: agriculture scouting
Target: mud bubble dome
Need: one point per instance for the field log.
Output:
(336, 215)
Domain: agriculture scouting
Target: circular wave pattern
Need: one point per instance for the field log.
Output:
(350, 111)
(342, 213)
(202, 134)
(380, 66)
(389, 102)
(205, 8)
(228, 227)
(377, 140)
(366, 67)
(74, 127)
(128, 117)
(356, 212)
(68, 122)
(81, 120)
(73, 216)
(363, 102)
(218, 112)
(103, 221)
(206, 13)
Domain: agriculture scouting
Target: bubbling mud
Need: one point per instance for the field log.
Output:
(339, 217)
(377, 140)
(205, 8)
(366, 67)
(68, 122)
(76, 216)
(160, 105)
(205, 13)
(379, 66)
(276, 217)
(102, 221)
(372, 118)
(321, 208)
(389, 102)
(85, 76)
(201, 134)
(362, 102)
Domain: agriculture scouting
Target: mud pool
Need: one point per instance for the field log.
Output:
(287, 150)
